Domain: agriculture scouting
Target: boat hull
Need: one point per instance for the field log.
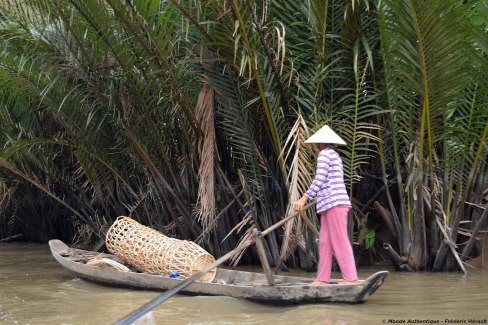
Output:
(232, 283)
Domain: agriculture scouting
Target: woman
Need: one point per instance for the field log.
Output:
(333, 205)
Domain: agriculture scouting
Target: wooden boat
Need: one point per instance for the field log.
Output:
(237, 284)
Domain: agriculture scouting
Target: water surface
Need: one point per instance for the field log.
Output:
(34, 289)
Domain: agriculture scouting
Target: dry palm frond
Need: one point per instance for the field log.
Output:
(5, 195)
(235, 260)
(206, 187)
(248, 218)
(299, 177)
(127, 104)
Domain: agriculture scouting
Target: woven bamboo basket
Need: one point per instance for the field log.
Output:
(152, 252)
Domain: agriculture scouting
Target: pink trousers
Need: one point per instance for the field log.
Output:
(335, 240)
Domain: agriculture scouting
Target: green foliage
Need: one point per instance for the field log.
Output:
(432, 67)
(103, 110)
(369, 236)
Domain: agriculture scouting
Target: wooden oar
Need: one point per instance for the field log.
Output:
(136, 314)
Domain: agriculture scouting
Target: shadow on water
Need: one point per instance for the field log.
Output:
(34, 289)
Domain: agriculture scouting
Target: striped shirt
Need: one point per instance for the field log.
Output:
(328, 184)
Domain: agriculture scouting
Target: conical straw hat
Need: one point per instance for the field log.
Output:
(325, 135)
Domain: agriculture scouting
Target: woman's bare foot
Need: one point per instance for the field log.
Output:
(317, 283)
(349, 281)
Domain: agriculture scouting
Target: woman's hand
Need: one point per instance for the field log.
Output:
(299, 204)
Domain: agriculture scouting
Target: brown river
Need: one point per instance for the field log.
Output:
(34, 289)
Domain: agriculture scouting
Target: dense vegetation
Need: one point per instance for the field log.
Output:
(190, 116)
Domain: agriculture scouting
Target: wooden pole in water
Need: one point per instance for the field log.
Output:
(262, 256)
(136, 314)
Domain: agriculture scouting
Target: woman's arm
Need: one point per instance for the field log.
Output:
(323, 161)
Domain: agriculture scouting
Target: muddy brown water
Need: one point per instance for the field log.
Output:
(34, 289)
